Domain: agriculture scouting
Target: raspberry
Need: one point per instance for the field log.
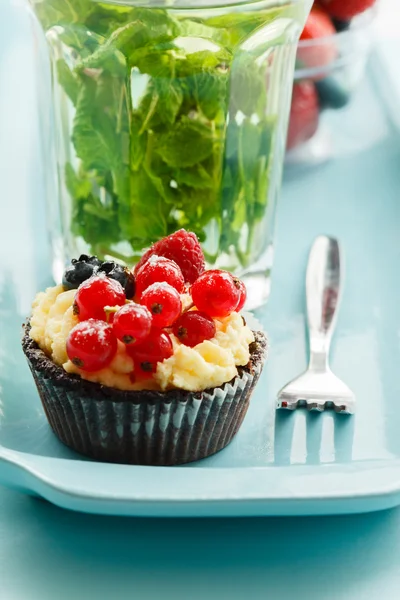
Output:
(155, 348)
(132, 323)
(96, 293)
(182, 247)
(304, 113)
(164, 303)
(243, 295)
(91, 345)
(158, 269)
(318, 26)
(346, 9)
(194, 327)
(216, 293)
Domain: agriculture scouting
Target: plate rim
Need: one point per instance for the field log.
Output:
(330, 488)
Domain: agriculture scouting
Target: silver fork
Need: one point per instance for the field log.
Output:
(318, 388)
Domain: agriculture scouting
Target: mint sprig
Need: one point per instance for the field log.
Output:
(170, 127)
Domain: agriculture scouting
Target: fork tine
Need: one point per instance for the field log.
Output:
(339, 405)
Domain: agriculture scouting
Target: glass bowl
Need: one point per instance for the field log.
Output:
(327, 77)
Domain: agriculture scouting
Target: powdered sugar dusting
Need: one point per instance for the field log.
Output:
(94, 329)
(159, 286)
(154, 259)
(101, 336)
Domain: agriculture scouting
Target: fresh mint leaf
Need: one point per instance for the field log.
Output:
(68, 80)
(161, 104)
(194, 177)
(78, 187)
(204, 60)
(262, 184)
(94, 139)
(161, 185)
(158, 60)
(138, 142)
(204, 77)
(92, 220)
(170, 97)
(105, 19)
(239, 210)
(248, 86)
(238, 27)
(210, 91)
(249, 148)
(78, 38)
(62, 12)
(101, 140)
(148, 213)
(197, 29)
(188, 143)
(197, 208)
(110, 55)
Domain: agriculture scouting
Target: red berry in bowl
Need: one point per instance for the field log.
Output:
(243, 295)
(193, 327)
(346, 9)
(155, 348)
(132, 323)
(316, 54)
(163, 302)
(94, 295)
(216, 293)
(182, 247)
(91, 345)
(158, 269)
(304, 114)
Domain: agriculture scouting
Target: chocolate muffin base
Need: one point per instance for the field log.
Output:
(142, 427)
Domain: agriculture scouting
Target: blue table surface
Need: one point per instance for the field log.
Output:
(48, 553)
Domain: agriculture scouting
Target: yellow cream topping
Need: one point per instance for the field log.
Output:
(207, 365)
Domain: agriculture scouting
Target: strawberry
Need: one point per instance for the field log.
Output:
(304, 114)
(182, 247)
(318, 26)
(345, 10)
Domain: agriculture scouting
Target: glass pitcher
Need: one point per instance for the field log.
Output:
(169, 114)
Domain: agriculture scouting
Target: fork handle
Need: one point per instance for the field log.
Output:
(323, 283)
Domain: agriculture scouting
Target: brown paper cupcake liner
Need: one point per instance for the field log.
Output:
(142, 427)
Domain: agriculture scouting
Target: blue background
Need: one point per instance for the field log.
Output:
(48, 553)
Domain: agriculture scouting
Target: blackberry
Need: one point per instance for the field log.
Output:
(331, 94)
(107, 266)
(121, 274)
(87, 266)
(91, 260)
(77, 273)
(80, 270)
(341, 25)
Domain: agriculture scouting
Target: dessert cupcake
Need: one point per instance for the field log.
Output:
(154, 366)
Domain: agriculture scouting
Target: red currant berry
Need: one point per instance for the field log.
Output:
(132, 323)
(96, 293)
(243, 294)
(164, 303)
(194, 327)
(216, 293)
(91, 345)
(142, 371)
(157, 269)
(155, 348)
